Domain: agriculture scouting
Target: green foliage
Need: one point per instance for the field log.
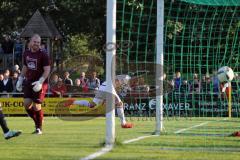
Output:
(78, 55)
(79, 45)
(136, 4)
(72, 17)
(173, 28)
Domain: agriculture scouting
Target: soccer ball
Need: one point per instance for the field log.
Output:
(225, 74)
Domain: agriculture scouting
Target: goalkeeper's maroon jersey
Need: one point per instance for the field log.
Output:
(35, 61)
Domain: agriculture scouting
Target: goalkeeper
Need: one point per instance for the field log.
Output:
(33, 81)
(100, 98)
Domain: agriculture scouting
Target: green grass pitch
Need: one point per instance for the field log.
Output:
(72, 140)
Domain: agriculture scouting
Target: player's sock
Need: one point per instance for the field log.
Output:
(32, 114)
(3, 123)
(39, 118)
(82, 103)
(121, 115)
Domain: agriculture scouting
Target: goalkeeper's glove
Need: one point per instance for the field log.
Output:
(38, 84)
(19, 83)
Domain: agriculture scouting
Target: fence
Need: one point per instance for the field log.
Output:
(136, 104)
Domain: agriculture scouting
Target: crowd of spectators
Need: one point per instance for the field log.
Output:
(66, 86)
(206, 84)
(12, 49)
(58, 86)
(8, 80)
(62, 85)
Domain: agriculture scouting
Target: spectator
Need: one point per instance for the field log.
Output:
(16, 69)
(206, 84)
(28, 45)
(18, 50)
(184, 87)
(14, 80)
(6, 85)
(195, 84)
(1, 77)
(53, 80)
(216, 83)
(59, 89)
(142, 86)
(77, 82)
(133, 82)
(1, 50)
(7, 45)
(167, 85)
(67, 80)
(177, 81)
(83, 79)
(77, 88)
(94, 82)
(44, 48)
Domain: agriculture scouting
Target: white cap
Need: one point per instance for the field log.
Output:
(16, 66)
(123, 78)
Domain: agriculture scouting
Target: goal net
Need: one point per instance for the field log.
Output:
(200, 36)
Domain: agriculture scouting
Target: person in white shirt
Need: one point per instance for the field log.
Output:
(100, 98)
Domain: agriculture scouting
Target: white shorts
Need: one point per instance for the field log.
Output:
(101, 95)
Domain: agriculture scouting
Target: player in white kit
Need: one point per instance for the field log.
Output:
(101, 96)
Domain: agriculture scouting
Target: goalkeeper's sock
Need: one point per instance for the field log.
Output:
(121, 115)
(3, 123)
(39, 118)
(82, 103)
(32, 114)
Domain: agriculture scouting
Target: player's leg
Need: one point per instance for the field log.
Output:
(3, 123)
(28, 102)
(38, 98)
(121, 115)
(7, 133)
(73, 101)
(120, 111)
(85, 103)
(39, 117)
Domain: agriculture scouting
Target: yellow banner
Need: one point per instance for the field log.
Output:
(50, 106)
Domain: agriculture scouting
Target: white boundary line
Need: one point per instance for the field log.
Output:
(108, 148)
(185, 129)
(138, 138)
(104, 150)
(201, 124)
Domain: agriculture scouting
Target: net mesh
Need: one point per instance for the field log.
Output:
(198, 39)
(215, 2)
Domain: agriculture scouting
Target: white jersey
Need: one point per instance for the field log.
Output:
(101, 94)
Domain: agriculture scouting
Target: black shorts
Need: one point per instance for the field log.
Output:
(36, 97)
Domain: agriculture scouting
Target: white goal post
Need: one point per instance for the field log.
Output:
(159, 66)
(110, 69)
